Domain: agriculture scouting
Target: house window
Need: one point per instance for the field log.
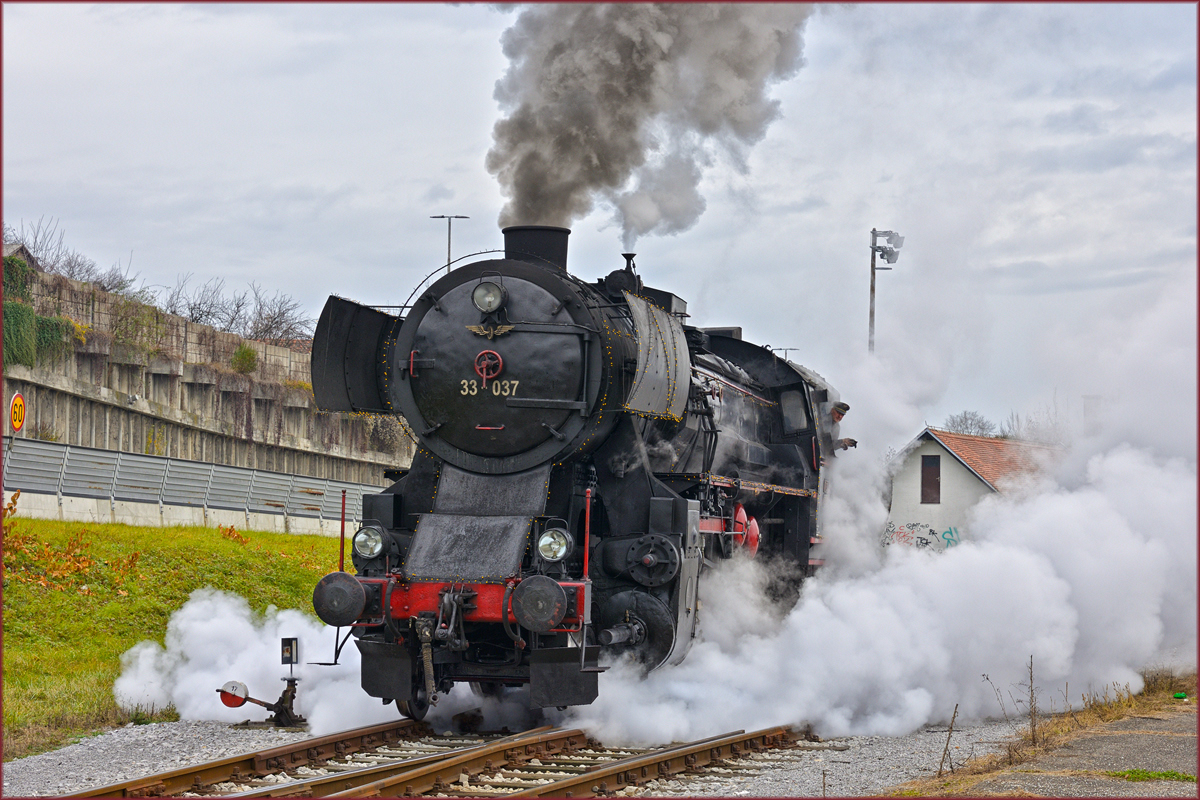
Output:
(931, 479)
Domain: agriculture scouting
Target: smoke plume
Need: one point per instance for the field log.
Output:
(626, 103)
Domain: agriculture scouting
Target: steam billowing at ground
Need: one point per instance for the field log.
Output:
(1093, 575)
(629, 102)
(216, 637)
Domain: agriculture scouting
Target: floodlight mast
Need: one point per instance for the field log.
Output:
(449, 226)
(889, 252)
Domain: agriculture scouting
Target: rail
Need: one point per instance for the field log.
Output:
(402, 759)
(301, 753)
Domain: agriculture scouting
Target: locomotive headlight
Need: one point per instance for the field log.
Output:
(368, 542)
(488, 296)
(554, 545)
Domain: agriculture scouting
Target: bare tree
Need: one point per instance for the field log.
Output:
(970, 423)
(46, 242)
(43, 239)
(206, 304)
(1043, 425)
(237, 313)
(276, 319)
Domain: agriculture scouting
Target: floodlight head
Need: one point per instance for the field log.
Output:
(890, 255)
(895, 240)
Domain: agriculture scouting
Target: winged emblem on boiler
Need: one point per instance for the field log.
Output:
(490, 331)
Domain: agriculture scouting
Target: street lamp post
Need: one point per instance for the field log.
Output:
(449, 225)
(894, 242)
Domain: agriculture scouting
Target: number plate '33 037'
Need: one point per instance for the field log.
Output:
(497, 388)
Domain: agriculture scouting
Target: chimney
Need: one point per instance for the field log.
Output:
(538, 244)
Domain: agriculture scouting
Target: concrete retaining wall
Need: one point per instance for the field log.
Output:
(143, 381)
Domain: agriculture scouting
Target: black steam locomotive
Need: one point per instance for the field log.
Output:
(583, 457)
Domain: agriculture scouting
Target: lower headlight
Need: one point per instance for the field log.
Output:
(554, 545)
(368, 542)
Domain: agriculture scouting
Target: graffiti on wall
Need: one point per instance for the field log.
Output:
(920, 535)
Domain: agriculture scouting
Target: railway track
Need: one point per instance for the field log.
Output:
(406, 759)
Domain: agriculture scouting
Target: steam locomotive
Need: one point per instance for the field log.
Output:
(584, 456)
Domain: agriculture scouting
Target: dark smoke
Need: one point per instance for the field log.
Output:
(623, 103)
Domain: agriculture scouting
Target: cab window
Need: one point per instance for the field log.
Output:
(795, 411)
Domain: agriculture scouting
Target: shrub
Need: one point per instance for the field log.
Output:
(45, 432)
(17, 278)
(20, 334)
(136, 325)
(28, 336)
(53, 336)
(245, 359)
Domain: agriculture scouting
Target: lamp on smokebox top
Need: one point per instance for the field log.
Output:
(235, 693)
(889, 252)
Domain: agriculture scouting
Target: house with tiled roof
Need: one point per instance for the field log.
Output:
(940, 475)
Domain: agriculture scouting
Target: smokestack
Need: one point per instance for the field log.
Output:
(537, 244)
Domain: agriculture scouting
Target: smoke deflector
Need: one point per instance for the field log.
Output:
(660, 388)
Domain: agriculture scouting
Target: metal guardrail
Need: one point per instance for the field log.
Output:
(32, 465)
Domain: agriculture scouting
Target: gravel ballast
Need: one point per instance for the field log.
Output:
(850, 767)
(859, 765)
(134, 751)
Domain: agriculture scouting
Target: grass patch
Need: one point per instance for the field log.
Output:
(78, 595)
(1138, 775)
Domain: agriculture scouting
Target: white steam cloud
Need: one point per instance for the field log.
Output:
(1091, 571)
(215, 637)
(1082, 580)
(1095, 581)
(627, 101)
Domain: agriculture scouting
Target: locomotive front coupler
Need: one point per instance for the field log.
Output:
(453, 604)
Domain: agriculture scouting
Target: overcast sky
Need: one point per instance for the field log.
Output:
(1039, 159)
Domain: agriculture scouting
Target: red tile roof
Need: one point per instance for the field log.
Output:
(992, 459)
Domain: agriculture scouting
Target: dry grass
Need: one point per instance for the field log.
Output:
(1059, 728)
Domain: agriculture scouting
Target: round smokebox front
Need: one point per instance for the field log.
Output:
(496, 371)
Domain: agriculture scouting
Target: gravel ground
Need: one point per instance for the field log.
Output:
(134, 751)
(860, 765)
(855, 766)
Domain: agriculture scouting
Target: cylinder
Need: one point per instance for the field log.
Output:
(625, 633)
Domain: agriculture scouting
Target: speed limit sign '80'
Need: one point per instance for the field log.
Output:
(16, 412)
